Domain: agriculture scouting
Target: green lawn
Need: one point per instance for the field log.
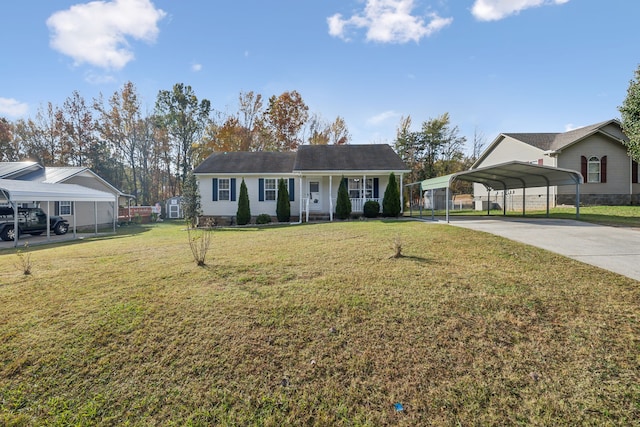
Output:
(315, 325)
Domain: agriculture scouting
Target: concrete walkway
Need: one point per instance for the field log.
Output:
(615, 249)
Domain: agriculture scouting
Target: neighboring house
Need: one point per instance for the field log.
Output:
(83, 213)
(610, 176)
(313, 175)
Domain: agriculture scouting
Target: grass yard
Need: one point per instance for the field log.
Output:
(315, 325)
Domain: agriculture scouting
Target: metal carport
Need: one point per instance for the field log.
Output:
(14, 192)
(509, 176)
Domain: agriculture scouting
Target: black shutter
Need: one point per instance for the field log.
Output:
(634, 172)
(376, 188)
(583, 165)
(292, 189)
(261, 190)
(57, 208)
(603, 169)
(215, 190)
(233, 189)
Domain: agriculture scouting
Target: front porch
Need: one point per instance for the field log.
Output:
(319, 193)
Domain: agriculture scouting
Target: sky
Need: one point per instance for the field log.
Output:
(493, 65)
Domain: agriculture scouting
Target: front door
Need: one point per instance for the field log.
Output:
(315, 196)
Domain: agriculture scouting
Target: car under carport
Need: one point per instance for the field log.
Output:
(13, 192)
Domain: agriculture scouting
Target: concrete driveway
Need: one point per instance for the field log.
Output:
(615, 249)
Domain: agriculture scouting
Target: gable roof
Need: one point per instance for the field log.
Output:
(246, 162)
(553, 141)
(317, 158)
(357, 157)
(12, 170)
(59, 175)
(27, 191)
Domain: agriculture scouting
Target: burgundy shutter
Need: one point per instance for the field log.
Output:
(634, 172)
(603, 169)
(583, 164)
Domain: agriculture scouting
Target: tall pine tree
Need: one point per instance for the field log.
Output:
(391, 201)
(243, 215)
(343, 204)
(283, 208)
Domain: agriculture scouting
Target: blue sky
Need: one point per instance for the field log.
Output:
(493, 65)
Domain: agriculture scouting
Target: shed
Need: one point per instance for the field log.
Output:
(173, 208)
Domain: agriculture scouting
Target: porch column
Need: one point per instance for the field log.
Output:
(301, 198)
(116, 208)
(401, 194)
(95, 214)
(330, 198)
(363, 195)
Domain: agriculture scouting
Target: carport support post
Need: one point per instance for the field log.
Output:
(488, 202)
(48, 222)
(578, 200)
(15, 224)
(504, 202)
(547, 200)
(446, 202)
(95, 214)
(431, 202)
(75, 213)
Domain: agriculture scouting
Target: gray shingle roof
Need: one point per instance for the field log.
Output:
(557, 141)
(357, 157)
(247, 162)
(367, 157)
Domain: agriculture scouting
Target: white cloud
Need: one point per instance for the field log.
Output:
(494, 10)
(382, 117)
(196, 67)
(570, 126)
(388, 21)
(97, 32)
(13, 108)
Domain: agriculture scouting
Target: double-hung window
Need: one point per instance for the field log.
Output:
(593, 174)
(270, 189)
(355, 188)
(224, 189)
(64, 208)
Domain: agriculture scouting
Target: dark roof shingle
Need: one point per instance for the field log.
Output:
(247, 162)
(357, 157)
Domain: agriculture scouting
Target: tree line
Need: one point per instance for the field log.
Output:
(150, 154)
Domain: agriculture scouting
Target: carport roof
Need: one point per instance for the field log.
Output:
(26, 191)
(508, 176)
